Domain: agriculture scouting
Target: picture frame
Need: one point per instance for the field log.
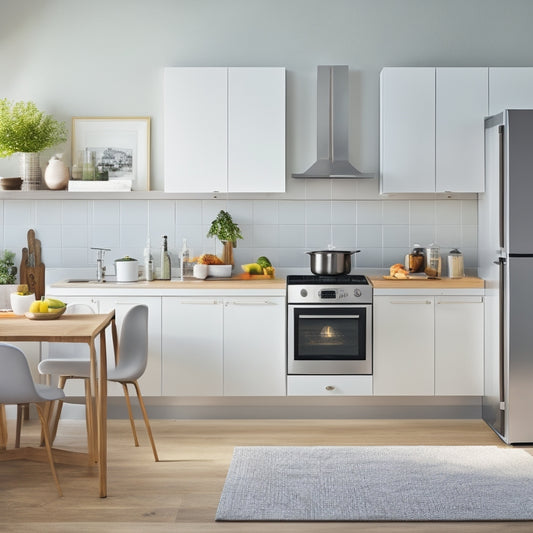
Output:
(120, 146)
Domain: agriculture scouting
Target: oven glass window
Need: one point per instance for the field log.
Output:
(330, 334)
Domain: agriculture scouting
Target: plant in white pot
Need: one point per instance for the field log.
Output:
(8, 278)
(27, 131)
(227, 233)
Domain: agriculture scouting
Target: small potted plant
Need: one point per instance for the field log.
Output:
(26, 130)
(227, 232)
(8, 277)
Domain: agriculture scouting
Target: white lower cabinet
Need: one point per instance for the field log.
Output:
(329, 385)
(403, 345)
(192, 332)
(223, 346)
(150, 381)
(428, 345)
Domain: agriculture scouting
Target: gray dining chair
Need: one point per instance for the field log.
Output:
(18, 388)
(131, 361)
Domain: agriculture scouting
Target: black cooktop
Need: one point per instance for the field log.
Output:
(345, 279)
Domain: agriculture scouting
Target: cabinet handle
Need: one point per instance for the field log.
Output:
(411, 302)
(265, 302)
(330, 387)
(329, 316)
(210, 302)
(458, 302)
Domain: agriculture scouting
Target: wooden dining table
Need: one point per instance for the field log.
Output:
(69, 328)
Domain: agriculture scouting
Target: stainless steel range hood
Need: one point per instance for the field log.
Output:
(333, 112)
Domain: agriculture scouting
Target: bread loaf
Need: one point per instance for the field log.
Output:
(398, 271)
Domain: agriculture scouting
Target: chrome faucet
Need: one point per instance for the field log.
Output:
(100, 267)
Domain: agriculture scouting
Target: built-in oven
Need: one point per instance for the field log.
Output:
(329, 327)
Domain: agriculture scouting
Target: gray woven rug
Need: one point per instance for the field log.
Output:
(397, 483)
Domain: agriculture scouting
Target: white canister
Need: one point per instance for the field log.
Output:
(56, 174)
(199, 271)
(20, 303)
(127, 269)
(456, 267)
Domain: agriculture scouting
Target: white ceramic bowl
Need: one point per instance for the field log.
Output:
(219, 271)
(20, 303)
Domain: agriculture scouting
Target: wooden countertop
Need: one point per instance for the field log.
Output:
(379, 282)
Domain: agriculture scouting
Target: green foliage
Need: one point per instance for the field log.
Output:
(224, 228)
(8, 270)
(23, 128)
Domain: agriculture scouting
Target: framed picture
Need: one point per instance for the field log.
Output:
(119, 148)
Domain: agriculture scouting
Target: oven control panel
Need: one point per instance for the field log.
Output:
(316, 294)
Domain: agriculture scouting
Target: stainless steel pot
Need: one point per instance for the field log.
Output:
(331, 262)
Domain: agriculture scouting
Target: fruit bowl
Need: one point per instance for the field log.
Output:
(51, 315)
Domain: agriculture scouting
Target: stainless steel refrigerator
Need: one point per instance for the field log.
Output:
(505, 244)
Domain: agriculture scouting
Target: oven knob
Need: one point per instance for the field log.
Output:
(357, 293)
(303, 293)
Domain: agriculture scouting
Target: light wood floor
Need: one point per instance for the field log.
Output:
(181, 492)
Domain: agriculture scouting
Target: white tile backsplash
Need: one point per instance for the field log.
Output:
(384, 230)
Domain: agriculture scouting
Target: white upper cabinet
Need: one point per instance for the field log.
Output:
(432, 129)
(461, 104)
(224, 129)
(510, 88)
(407, 130)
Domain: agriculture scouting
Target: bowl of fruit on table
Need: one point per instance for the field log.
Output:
(46, 309)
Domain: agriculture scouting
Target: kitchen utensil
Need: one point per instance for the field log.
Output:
(456, 264)
(331, 262)
(127, 269)
(31, 269)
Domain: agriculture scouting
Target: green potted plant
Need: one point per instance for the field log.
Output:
(26, 130)
(8, 277)
(226, 232)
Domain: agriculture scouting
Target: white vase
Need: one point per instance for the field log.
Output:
(30, 171)
(56, 174)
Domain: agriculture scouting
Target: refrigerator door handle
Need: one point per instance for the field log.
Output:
(501, 262)
(501, 172)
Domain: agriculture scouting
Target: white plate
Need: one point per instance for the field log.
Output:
(219, 271)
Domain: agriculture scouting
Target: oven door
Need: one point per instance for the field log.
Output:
(329, 339)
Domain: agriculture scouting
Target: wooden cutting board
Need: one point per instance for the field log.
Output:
(32, 270)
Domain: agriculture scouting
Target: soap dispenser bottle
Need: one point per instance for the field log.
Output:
(165, 260)
(185, 263)
(148, 261)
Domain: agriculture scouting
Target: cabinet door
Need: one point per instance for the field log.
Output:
(195, 129)
(150, 381)
(461, 105)
(403, 345)
(407, 130)
(459, 345)
(256, 140)
(192, 346)
(510, 88)
(254, 347)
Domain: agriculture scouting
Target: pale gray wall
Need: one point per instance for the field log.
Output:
(106, 57)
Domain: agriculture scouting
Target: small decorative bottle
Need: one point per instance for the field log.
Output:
(165, 260)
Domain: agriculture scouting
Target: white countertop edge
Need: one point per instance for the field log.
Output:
(137, 291)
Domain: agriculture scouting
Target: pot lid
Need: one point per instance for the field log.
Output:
(125, 258)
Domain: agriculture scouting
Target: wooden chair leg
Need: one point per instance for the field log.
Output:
(146, 421)
(132, 421)
(44, 426)
(19, 425)
(26, 410)
(3, 427)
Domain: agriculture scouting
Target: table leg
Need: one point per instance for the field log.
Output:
(3, 427)
(102, 416)
(92, 442)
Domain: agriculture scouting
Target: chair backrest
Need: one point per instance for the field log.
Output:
(16, 382)
(71, 350)
(133, 344)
